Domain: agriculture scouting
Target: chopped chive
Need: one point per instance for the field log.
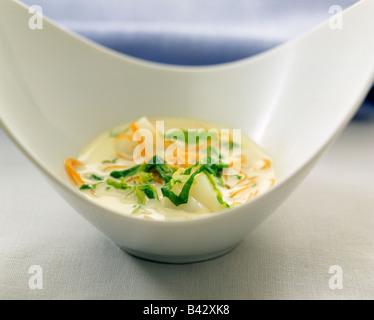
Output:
(136, 208)
(145, 177)
(220, 181)
(94, 176)
(184, 194)
(89, 186)
(128, 172)
(86, 187)
(149, 190)
(118, 185)
(140, 194)
(155, 164)
(216, 190)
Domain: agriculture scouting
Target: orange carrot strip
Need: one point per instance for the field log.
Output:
(157, 179)
(272, 182)
(266, 165)
(132, 179)
(123, 136)
(73, 174)
(249, 181)
(238, 191)
(244, 178)
(175, 166)
(133, 127)
(115, 167)
(242, 160)
(123, 157)
(235, 203)
(251, 195)
(168, 143)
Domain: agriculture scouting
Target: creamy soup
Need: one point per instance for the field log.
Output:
(172, 169)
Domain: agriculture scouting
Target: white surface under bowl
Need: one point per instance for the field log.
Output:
(58, 91)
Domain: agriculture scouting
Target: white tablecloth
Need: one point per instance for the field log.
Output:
(328, 221)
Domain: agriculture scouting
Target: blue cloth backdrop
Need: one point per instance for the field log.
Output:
(189, 32)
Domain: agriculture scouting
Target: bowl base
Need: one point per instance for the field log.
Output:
(178, 259)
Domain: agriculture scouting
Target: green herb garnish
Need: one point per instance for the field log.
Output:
(89, 186)
(128, 172)
(94, 176)
(118, 185)
(145, 177)
(86, 187)
(149, 190)
(136, 208)
(155, 164)
(216, 190)
(184, 194)
(140, 194)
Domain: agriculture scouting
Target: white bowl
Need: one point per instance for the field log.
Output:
(58, 91)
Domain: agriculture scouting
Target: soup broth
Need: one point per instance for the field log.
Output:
(172, 169)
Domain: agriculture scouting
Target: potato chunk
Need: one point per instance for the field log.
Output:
(204, 192)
